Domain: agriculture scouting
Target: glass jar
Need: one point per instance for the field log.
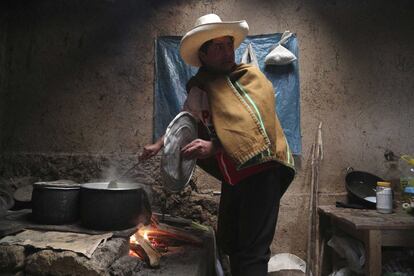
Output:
(384, 197)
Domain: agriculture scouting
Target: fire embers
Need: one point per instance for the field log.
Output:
(142, 248)
(149, 242)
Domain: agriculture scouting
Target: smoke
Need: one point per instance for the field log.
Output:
(110, 173)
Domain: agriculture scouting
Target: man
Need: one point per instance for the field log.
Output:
(243, 144)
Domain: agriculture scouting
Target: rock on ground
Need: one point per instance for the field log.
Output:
(126, 266)
(11, 258)
(187, 203)
(49, 262)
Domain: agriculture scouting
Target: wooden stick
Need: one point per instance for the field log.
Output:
(154, 257)
(321, 257)
(312, 257)
(310, 214)
(318, 157)
(138, 250)
(171, 232)
(170, 219)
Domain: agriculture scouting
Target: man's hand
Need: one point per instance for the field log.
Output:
(199, 149)
(151, 149)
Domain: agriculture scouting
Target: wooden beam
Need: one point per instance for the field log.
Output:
(373, 265)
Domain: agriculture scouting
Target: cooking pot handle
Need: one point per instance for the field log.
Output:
(349, 170)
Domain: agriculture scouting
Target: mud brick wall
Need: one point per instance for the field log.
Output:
(76, 85)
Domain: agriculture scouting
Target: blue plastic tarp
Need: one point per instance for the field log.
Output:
(172, 75)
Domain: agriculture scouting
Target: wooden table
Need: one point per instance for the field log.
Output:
(375, 230)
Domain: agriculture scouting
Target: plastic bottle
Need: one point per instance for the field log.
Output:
(384, 197)
(393, 175)
(407, 174)
(409, 206)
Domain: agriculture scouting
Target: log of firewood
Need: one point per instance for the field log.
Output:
(171, 232)
(138, 250)
(154, 257)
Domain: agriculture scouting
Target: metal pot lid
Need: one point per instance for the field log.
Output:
(24, 194)
(176, 172)
(106, 186)
(62, 184)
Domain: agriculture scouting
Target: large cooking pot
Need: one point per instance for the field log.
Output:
(107, 207)
(361, 187)
(55, 202)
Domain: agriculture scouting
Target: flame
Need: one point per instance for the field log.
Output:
(133, 239)
(147, 232)
(152, 235)
(146, 235)
(133, 254)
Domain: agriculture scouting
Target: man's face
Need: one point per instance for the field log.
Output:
(219, 55)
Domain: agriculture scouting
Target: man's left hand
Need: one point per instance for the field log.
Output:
(199, 149)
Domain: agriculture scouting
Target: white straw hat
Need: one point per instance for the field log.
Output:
(206, 28)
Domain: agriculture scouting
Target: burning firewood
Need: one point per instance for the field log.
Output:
(144, 249)
(150, 241)
(154, 221)
(164, 231)
(137, 251)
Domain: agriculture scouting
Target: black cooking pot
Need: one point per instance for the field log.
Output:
(103, 207)
(55, 203)
(361, 187)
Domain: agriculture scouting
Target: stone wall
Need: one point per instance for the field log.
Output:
(3, 63)
(80, 82)
(193, 202)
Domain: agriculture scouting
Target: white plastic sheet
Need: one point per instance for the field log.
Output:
(249, 56)
(350, 249)
(280, 55)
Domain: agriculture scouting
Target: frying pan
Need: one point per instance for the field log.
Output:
(361, 187)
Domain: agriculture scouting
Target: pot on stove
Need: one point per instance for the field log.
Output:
(55, 202)
(107, 207)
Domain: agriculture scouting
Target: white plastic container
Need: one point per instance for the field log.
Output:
(384, 198)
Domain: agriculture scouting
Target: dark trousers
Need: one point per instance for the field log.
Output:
(247, 221)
